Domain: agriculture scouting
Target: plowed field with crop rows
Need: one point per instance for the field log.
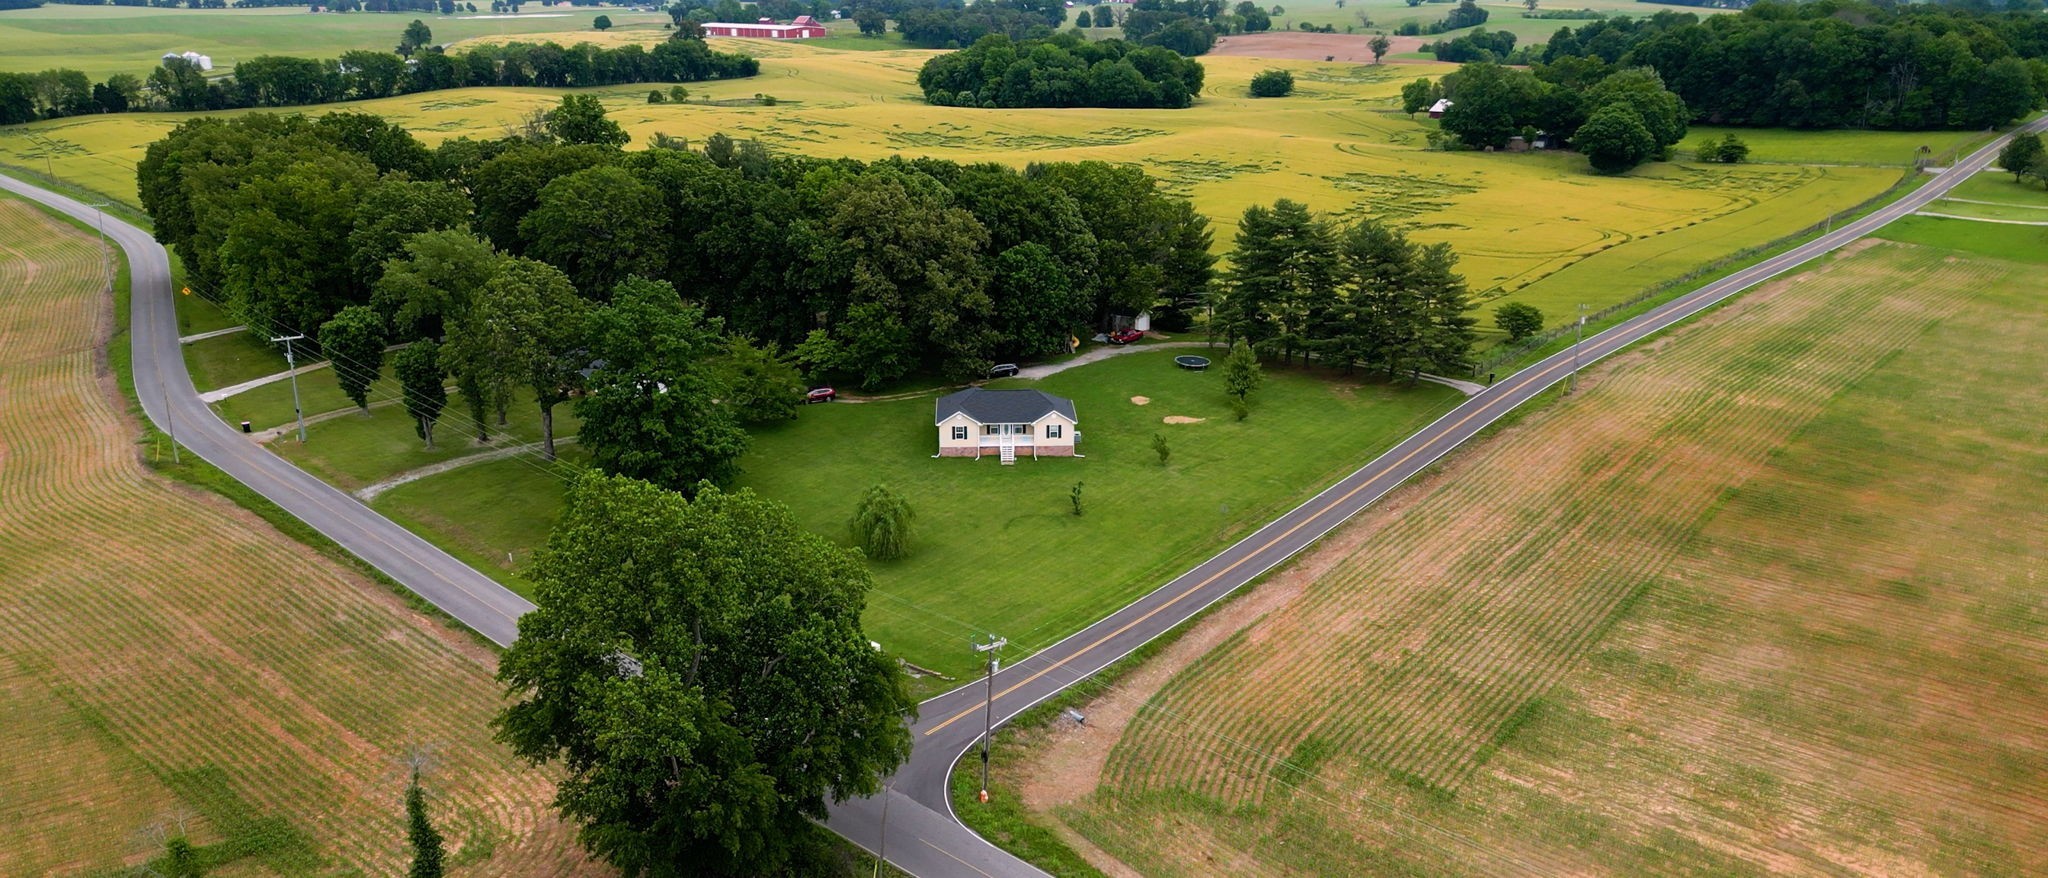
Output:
(1764, 596)
(168, 659)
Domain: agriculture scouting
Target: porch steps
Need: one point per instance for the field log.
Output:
(1009, 454)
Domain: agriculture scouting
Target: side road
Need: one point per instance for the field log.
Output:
(165, 390)
(923, 837)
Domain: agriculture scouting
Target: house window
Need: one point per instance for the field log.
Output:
(1052, 431)
(959, 433)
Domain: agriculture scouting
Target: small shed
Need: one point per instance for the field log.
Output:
(1436, 110)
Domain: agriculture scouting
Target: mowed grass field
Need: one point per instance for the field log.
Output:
(997, 548)
(1763, 597)
(1534, 228)
(172, 659)
(105, 40)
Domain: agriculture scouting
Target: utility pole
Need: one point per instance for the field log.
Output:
(292, 366)
(988, 704)
(882, 852)
(1578, 336)
(99, 212)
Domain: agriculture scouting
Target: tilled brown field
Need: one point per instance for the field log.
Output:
(1762, 597)
(169, 659)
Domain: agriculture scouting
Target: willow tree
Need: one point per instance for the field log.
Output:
(881, 524)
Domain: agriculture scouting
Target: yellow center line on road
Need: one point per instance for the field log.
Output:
(956, 857)
(1235, 564)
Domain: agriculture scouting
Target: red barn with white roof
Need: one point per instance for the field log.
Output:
(803, 28)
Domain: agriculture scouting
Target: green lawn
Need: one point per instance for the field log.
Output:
(2017, 243)
(491, 515)
(1843, 147)
(271, 405)
(1999, 187)
(232, 359)
(196, 315)
(2023, 213)
(996, 548)
(357, 449)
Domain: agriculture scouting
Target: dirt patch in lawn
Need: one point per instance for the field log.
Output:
(1182, 419)
(1313, 47)
(1141, 400)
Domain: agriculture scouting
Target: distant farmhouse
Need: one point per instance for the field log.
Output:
(1437, 110)
(803, 28)
(1005, 423)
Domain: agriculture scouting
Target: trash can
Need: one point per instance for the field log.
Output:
(245, 426)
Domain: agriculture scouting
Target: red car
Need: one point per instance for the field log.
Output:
(820, 394)
(1125, 336)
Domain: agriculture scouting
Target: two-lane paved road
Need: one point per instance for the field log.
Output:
(923, 838)
(168, 398)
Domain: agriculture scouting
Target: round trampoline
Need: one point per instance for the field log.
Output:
(1195, 363)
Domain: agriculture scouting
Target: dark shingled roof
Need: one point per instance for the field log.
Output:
(1002, 406)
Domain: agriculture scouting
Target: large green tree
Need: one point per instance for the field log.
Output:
(531, 319)
(1282, 285)
(760, 383)
(422, 382)
(1150, 248)
(1038, 307)
(698, 669)
(917, 291)
(283, 262)
(508, 185)
(393, 211)
(1614, 139)
(354, 344)
(581, 119)
(416, 36)
(2019, 154)
(600, 226)
(650, 411)
(426, 289)
(1662, 112)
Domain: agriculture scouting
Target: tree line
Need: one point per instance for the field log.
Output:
(863, 271)
(936, 25)
(1632, 117)
(1829, 63)
(1065, 70)
(1360, 295)
(417, 66)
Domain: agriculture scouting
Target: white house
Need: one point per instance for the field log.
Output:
(1006, 423)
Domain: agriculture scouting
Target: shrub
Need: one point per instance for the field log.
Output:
(1518, 319)
(656, 97)
(1273, 84)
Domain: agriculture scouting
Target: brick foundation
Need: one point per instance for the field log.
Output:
(1023, 452)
